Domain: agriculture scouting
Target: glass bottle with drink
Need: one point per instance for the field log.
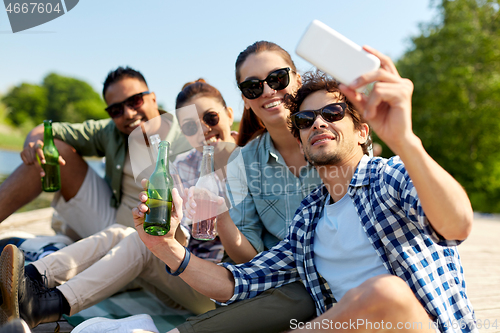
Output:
(154, 141)
(157, 222)
(206, 192)
(51, 182)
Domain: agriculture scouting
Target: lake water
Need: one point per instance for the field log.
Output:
(10, 160)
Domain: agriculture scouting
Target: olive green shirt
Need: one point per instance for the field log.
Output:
(102, 138)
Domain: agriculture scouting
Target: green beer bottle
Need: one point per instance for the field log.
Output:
(160, 186)
(51, 182)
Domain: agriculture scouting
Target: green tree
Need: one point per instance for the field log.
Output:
(59, 98)
(72, 100)
(26, 103)
(455, 67)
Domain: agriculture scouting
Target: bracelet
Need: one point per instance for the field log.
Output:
(183, 265)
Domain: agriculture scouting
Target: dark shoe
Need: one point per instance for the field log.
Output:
(11, 269)
(35, 303)
(17, 241)
(15, 326)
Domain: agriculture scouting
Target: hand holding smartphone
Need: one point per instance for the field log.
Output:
(335, 54)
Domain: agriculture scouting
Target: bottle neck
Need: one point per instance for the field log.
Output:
(207, 163)
(47, 134)
(162, 161)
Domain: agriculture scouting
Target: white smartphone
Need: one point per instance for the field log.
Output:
(335, 54)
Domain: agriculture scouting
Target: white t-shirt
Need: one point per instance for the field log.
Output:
(343, 255)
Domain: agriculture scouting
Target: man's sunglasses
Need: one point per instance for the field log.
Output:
(190, 127)
(330, 113)
(277, 80)
(134, 102)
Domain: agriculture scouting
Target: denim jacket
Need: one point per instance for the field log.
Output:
(264, 193)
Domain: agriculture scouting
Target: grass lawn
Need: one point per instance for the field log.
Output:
(12, 141)
(11, 137)
(235, 126)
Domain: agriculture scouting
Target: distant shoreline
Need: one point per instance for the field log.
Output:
(11, 149)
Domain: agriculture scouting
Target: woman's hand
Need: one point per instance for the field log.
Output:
(200, 196)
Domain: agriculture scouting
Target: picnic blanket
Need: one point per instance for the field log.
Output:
(121, 305)
(131, 303)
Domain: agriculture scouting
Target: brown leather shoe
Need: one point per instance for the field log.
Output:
(11, 271)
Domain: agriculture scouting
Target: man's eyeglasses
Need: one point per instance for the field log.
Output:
(190, 127)
(330, 113)
(277, 80)
(134, 102)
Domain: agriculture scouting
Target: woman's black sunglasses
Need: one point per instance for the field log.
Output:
(190, 127)
(134, 102)
(330, 113)
(277, 80)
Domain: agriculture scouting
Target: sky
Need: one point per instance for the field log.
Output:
(174, 42)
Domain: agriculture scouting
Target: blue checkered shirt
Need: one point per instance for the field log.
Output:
(395, 223)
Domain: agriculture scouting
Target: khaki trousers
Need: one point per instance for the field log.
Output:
(98, 266)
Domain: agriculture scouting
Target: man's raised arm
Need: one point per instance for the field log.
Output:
(388, 111)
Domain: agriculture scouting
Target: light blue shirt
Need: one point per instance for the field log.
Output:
(264, 193)
(343, 255)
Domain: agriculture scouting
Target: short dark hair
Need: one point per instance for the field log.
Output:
(315, 81)
(119, 74)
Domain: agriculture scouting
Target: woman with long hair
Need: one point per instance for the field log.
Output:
(208, 123)
(270, 177)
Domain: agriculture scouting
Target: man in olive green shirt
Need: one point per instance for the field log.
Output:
(87, 202)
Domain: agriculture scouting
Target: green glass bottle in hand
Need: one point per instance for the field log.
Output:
(51, 182)
(157, 222)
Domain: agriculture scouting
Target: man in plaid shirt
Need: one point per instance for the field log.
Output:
(378, 238)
